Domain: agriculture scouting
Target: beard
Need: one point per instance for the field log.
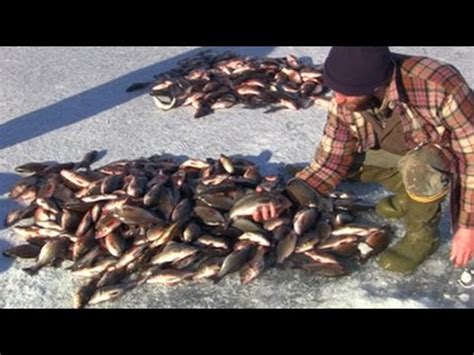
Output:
(363, 103)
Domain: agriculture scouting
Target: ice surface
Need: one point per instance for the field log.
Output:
(58, 103)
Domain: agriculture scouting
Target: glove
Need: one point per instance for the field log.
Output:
(301, 193)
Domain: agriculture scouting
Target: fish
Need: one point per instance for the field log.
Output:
(114, 244)
(51, 252)
(212, 241)
(304, 220)
(169, 277)
(327, 270)
(286, 246)
(84, 294)
(31, 168)
(308, 241)
(355, 229)
(191, 233)
(234, 261)
(16, 215)
(111, 277)
(254, 267)
(208, 269)
(108, 293)
(172, 253)
(209, 216)
(223, 203)
(24, 251)
(84, 244)
(164, 219)
(257, 238)
(130, 255)
(248, 204)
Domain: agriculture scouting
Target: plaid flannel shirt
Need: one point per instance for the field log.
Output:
(435, 105)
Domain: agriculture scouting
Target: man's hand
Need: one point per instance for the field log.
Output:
(265, 213)
(463, 247)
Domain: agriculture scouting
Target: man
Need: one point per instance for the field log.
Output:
(408, 123)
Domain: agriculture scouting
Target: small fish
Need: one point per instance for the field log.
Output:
(227, 164)
(31, 168)
(246, 225)
(234, 261)
(35, 231)
(25, 251)
(182, 210)
(209, 216)
(22, 185)
(195, 164)
(77, 179)
(111, 277)
(173, 252)
(212, 241)
(106, 225)
(70, 220)
(208, 269)
(327, 270)
(373, 244)
(320, 257)
(219, 202)
(51, 252)
(286, 246)
(115, 244)
(49, 225)
(84, 225)
(169, 277)
(84, 244)
(108, 293)
(257, 238)
(136, 186)
(304, 220)
(185, 262)
(254, 267)
(97, 269)
(350, 205)
(111, 183)
(248, 204)
(307, 241)
(16, 215)
(355, 229)
(130, 255)
(87, 260)
(28, 195)
(99, 197)
(191, 233)
(334, 242)
(171, 232)
(274, 223)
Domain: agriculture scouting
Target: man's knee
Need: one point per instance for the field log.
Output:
(425, 175)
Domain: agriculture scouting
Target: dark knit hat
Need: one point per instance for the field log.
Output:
(357, 71)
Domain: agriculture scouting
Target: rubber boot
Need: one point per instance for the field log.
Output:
(420, 241)
(392, 207)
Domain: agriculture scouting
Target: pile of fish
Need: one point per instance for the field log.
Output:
(162, 220)
(210, 81)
